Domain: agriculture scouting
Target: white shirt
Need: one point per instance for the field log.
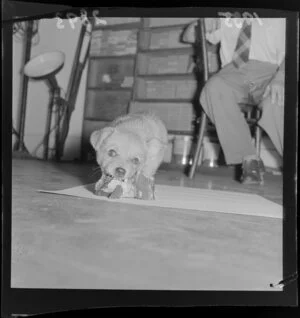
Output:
(267, 39)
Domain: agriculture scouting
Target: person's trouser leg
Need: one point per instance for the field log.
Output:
(220, 100)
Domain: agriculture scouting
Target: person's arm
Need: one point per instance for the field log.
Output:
(189, 33)
(280, 49)
(213, 34)
(279, 76)
(276, 87)
(214, 37)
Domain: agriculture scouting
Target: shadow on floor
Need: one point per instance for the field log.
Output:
(85, 172)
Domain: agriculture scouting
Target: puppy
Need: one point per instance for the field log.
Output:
(130, 150)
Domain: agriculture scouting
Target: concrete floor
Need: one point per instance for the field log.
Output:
(67, 242)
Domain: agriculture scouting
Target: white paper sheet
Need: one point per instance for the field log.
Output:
(192, 199)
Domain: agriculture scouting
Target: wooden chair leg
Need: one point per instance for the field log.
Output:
(258, 133)
(258, 140)
(199, 145)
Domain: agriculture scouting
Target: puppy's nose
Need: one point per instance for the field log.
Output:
(120, 172)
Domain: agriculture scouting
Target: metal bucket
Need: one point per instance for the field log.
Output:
(211, 151)
(181, 149)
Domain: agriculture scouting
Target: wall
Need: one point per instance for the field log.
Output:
(50, 38)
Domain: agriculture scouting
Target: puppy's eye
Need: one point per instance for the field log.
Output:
(112, 153)
(135, 161)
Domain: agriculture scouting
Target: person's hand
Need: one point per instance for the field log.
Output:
(189, 33)
(212, 24)
(276, 91)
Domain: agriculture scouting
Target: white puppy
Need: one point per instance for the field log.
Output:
(131, 146)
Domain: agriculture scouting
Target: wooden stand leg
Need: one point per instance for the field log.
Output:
(57, 124)
(48, 126)
(19, 145)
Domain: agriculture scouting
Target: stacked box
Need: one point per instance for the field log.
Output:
(162, 39)
(156, 22)
(169, 39)
(185, 89)
(89, 126)
(154, 89)
(111, 72)
(116, 21)
(176, 63)
(106, 105)
(176, 116)
(115, 43)
(158, 89)
(166, 89)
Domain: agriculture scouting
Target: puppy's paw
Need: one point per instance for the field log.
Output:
(145, 188)
(101, 193)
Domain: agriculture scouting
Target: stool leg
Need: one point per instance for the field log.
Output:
(199, 145)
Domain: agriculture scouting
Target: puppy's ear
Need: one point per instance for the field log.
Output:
(155, 154)
(98, 136)
(155, 146)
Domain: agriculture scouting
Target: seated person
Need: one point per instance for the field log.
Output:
(253, 59)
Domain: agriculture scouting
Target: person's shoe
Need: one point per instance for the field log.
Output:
(253, 171)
